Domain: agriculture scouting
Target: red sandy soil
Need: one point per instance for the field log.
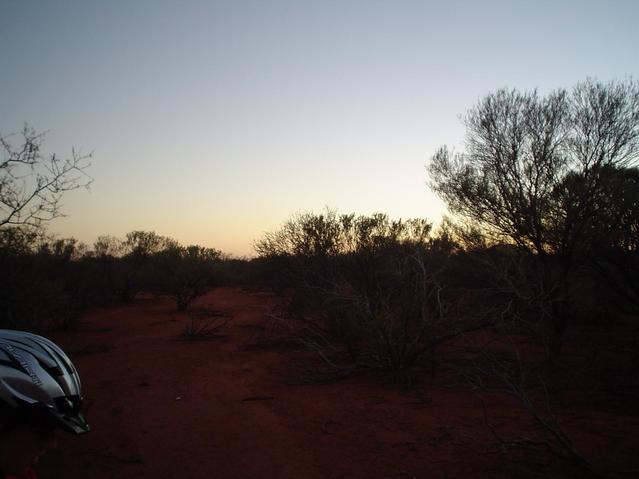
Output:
(232, 407)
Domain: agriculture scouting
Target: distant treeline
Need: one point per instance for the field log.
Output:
(49, 282)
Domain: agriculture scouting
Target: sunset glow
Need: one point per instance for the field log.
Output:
(213, 122)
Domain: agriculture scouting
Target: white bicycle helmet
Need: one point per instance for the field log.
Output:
(37, 378)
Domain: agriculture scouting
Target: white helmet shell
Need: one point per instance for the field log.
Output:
(34, 372)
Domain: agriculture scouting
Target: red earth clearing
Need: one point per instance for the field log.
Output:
(238, 406)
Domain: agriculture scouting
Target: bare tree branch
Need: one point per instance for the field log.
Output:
(31, 184)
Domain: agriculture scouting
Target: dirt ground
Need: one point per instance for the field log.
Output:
(236, 406)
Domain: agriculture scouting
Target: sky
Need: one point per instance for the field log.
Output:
(214, 122)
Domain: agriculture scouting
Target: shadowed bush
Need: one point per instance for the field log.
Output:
(367, 291)
(185, 272)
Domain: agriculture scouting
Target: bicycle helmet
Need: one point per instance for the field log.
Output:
(37, 379)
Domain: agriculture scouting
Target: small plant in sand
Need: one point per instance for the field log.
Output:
(204, 324)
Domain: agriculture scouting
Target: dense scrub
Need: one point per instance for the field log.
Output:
(49, 282)
(394, 296)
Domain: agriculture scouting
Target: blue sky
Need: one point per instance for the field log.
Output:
(213, 122)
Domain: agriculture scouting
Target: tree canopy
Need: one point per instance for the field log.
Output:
(535, 168)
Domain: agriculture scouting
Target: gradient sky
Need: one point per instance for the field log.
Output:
(213, 122)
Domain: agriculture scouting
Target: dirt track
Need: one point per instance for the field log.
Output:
(164, 408)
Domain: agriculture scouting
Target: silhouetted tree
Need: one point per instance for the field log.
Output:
(108, 246)
(614, 222)
(612, 237)
(38, 288)
(47, 285)
(186, 272)
(523, 152)
(136, 250)
(31, 184)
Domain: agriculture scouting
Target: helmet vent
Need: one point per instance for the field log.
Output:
(67, 405)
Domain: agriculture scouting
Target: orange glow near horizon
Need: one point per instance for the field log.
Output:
(214, 122)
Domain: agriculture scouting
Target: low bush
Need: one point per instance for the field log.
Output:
(185, 272)
(366, 291)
